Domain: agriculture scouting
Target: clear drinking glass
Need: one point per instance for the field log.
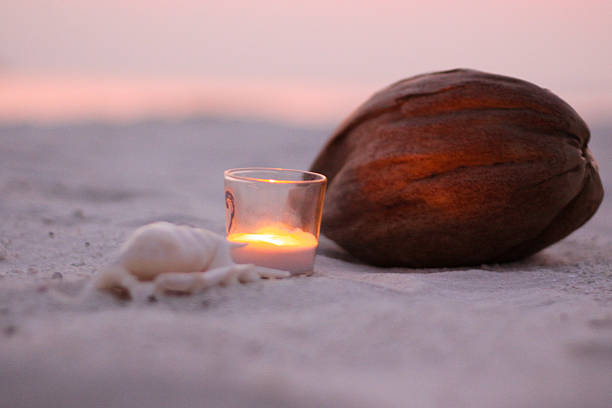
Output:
(276, 214)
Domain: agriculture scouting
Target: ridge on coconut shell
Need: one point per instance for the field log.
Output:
(457, 168)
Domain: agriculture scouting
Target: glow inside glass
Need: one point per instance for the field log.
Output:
(274, 216)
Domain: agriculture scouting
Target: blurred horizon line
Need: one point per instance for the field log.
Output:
(52, 98)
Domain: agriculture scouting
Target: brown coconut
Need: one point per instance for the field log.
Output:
(457, 168)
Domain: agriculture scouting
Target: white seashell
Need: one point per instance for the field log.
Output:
(163, 247)
(178, 259)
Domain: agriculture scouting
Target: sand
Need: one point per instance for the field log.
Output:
(532, 333)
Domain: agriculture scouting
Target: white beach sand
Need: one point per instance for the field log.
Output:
(536, 333)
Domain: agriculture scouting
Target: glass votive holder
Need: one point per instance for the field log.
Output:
(276, 215)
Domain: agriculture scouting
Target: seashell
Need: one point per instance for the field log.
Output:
(457, 168)
(176, 259)
(163, 247)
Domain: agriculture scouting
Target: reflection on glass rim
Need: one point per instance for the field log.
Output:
(276, 175)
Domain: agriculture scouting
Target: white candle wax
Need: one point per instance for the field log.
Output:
(288, 250)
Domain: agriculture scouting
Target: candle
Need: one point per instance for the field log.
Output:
(276, 215)
(276, 247)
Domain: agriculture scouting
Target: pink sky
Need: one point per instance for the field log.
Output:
(299, 61)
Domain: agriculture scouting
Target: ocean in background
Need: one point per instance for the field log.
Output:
(36, 98)
(48, 99)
